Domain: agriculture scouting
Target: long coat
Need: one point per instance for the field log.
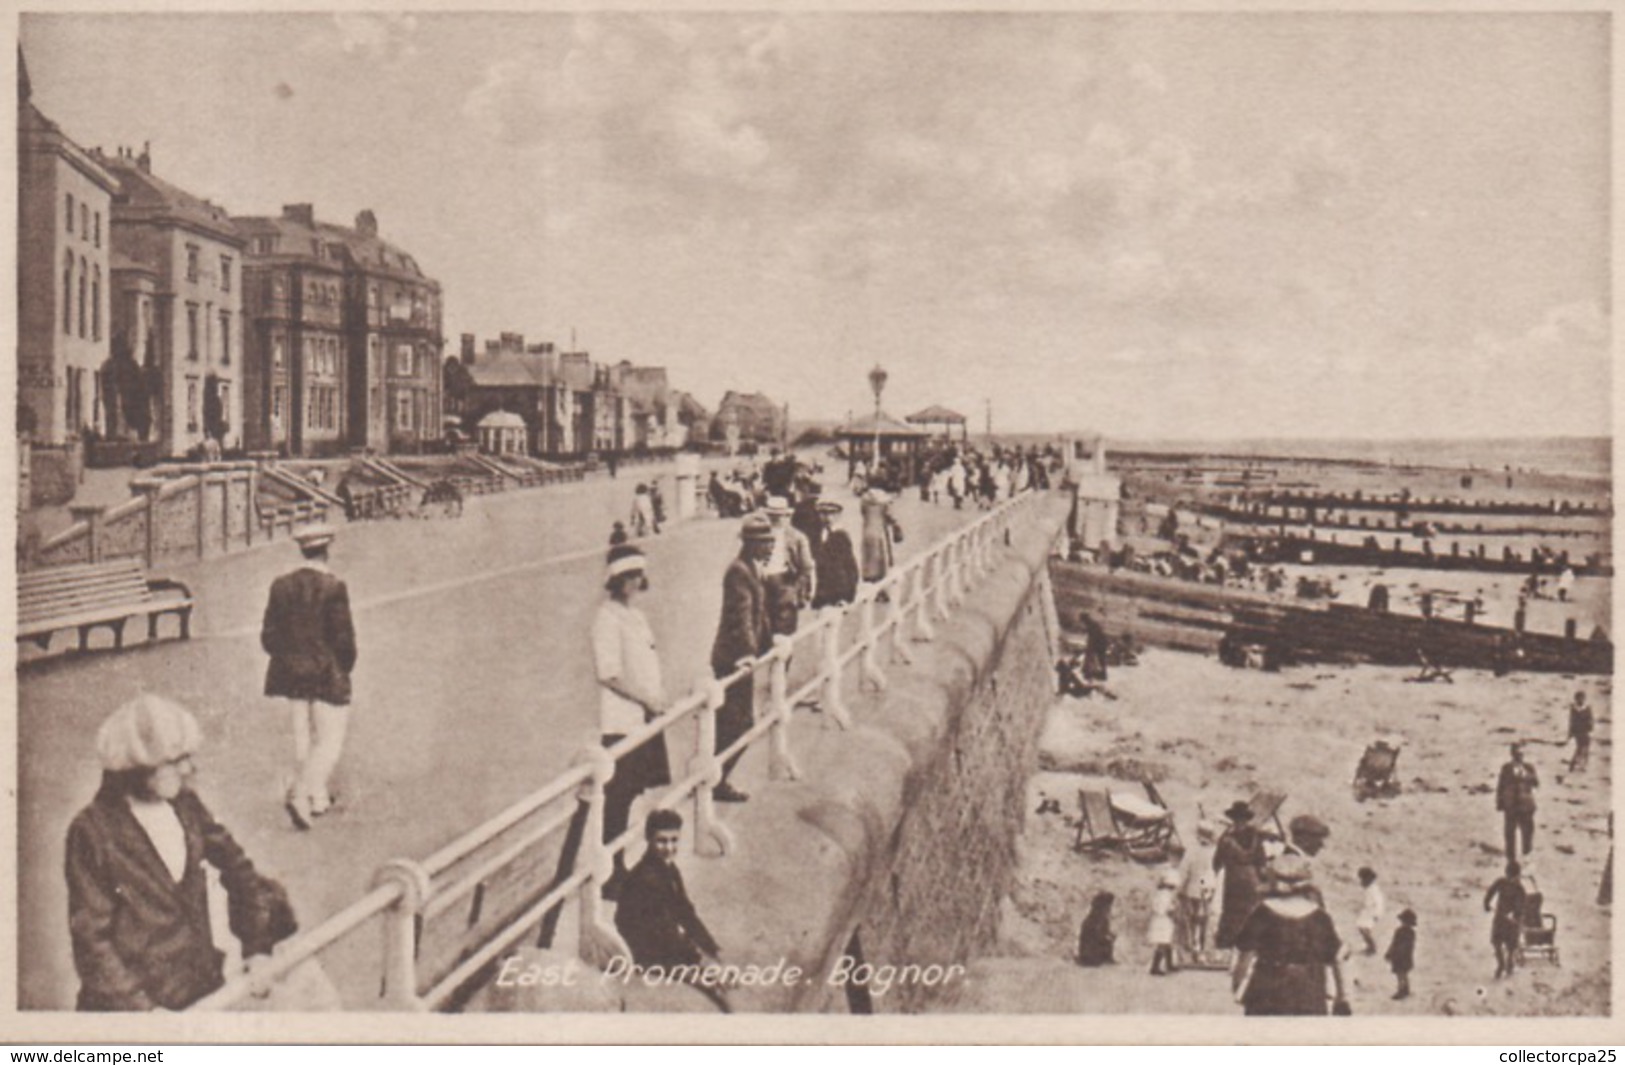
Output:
(140, 939)
(744, 629)
(877, 545)
(308, 633)
(837, 569)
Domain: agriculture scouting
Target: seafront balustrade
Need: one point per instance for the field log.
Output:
(446, 920)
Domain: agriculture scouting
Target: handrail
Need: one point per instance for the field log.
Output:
(410, 893)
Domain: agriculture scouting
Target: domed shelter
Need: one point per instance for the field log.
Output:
(502, 432)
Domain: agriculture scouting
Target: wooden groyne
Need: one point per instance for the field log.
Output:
(1165, 612)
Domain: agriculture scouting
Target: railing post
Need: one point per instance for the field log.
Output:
(956, 572)
(940, 588)
(781, 765)
(706, 825)
(871, 671)
(922, 603)
(834, 702)
(898, 616)
(398, 989)
(597, 942)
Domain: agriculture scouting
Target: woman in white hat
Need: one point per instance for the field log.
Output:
(138, 908)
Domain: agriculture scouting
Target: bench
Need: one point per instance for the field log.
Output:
(89, 596)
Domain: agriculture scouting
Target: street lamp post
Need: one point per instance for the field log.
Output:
(877, 382)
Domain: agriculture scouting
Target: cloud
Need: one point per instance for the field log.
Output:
(381, 37)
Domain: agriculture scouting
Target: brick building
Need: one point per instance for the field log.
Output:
(188, 327)
(64, 209)
(344, 338)
(760, 420)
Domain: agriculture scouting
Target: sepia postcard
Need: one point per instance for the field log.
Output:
(1079, 525)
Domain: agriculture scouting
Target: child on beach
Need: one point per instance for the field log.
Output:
(1371, 907)
(1401, 954)
(1161, 932)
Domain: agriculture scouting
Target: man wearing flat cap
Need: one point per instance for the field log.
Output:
(308, 633)
(744, 631)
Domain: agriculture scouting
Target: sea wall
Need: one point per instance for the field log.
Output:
(895, 844)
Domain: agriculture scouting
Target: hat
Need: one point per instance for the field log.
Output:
(829, 506)
(777, 506)
(624, 558)
(146, 732)
(1289, 872)
(755, 527)
(1308, 825)
(1239, 811)
(315, 535)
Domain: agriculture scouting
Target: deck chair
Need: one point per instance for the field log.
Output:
(1122, 821)
(1266, 808)
(1429, 671)
(1539, 931)
(1375, 774)
(1097, 825)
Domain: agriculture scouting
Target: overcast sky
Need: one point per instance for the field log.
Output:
(1155, 225)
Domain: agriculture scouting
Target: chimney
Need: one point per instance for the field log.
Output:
(367, 222)
(144, 160)
(303, 213)
(468, 349)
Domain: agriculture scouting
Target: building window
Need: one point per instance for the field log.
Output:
(225, 408)
(191, 331)
(225, 338)
(191, 404)
(70, 212)
(84, 220)
(403, 360)
(225, 273)
(276, 353)
(98, 229)
(403, 410)
(192, 255)
(96, 304)
(84, 280)
(265, 245)
(67, 293)
(279, 403)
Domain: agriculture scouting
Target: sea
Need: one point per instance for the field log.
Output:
(1582, 456)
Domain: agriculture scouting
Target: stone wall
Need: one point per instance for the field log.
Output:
(933, 891)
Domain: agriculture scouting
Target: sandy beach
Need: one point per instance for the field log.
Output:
(1208, 735)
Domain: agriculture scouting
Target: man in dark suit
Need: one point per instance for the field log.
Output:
(308, 633)
(1515, 798)
(744, 632)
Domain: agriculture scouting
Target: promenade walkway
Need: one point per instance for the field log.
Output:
(474, 687)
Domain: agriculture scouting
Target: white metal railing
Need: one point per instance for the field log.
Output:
(410, 897)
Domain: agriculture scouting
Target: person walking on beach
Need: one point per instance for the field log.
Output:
(1160, 934)
(308, 633)
(1506, 898)
(1401, 956)
(1581, 723)
(1287, 947)
(1515, 798)
(1239, 855)
(1371, 907)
